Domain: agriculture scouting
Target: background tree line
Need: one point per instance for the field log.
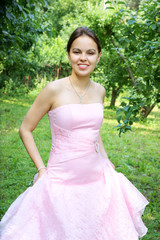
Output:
(33, 48)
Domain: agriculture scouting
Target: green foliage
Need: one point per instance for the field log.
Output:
(50, 51)
(20, 25)
(21, 22)
(12, 89)
(127, 113)
(40, 83)
(135, 40)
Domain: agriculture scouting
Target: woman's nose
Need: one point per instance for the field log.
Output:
(83, 56)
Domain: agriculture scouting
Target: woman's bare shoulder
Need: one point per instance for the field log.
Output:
(56, 85)
(100, 88)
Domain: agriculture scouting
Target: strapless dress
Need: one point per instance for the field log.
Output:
(80, 196)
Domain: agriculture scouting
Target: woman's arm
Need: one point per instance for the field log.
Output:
(40, 107)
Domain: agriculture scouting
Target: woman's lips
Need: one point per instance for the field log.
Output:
(82, 66)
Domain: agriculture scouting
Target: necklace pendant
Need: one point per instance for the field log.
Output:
(80, 98)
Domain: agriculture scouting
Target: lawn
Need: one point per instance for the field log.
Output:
(136, 154)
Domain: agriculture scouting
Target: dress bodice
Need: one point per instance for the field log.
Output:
(77, 116)
(75, 129)
(75, 121)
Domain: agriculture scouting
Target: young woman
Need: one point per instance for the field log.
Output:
(79, 195)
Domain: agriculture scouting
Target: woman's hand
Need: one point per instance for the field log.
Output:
(38, 175)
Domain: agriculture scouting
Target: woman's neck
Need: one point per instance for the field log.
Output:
(80, 81)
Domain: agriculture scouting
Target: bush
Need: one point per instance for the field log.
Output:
(12, 89)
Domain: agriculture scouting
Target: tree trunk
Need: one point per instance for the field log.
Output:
(124, 60)
(133, 4)
(57, 71)
(114, 96)
(26, 80)
(145, 111)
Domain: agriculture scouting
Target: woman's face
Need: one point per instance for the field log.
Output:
(83, 55)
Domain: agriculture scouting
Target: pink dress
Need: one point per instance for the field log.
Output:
(80, 196)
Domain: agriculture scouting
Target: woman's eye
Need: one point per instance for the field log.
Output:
(76, 52)
(91, 53)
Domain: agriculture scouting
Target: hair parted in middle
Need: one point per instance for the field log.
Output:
(80, 31)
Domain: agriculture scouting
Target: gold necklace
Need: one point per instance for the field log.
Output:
(80, 95)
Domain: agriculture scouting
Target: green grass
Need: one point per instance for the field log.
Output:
(136, 154)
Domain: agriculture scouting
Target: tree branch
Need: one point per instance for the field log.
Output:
(124, 60)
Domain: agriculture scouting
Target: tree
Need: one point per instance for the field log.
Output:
(20, 25)
(135, 38)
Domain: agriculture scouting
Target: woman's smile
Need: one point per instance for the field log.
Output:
(83, 66)
(83, 55)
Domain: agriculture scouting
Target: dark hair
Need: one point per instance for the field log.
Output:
(80, 31)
